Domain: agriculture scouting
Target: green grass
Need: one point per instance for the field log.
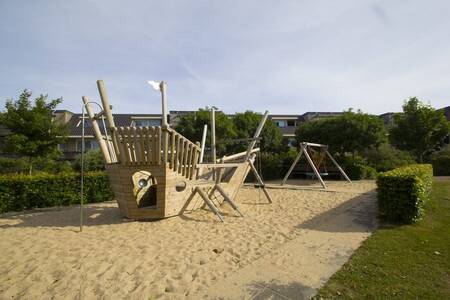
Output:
(401, 262)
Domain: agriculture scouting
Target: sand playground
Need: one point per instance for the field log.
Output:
(283, 250)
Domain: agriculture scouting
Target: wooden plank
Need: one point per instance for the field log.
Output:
(141, 142)
(172, 149)
(136, 143)
(154, 144)
(124, 151)
(194, 164)
(158, 145)
(147, 144)
(183, 158)
(177, 147)
(129, 144)
(190, 162)
(180, 167)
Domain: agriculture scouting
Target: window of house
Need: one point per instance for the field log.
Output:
(146, 122)
(88, 145)
(281, 123)
(291, 123)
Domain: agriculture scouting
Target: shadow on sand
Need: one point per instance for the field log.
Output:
(93, 215)
(358, 214)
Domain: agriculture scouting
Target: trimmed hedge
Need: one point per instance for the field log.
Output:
(20, 192)
(402, 192)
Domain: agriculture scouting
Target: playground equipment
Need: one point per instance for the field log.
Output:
(155, 172)
(315, 159)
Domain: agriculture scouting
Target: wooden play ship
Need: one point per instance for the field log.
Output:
(155, 172)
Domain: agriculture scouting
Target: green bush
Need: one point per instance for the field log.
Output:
(402, 192)
(441, 162)
(17, 165)
(93, 161)
(10, 165)
(356, 168)
(19, 192)
(386, 157)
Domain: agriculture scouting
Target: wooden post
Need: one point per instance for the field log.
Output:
(213, 135)
(205, 130)
(109, 116)
(213, 140)
(164, 123)
(256, 135)
(227, 198)
(163, 88)
(311, 163)
(97, 133)
(259, 179)
(338, 166)
(292, 167)
(209, 202)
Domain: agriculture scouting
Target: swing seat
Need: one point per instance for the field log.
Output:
(313, 174)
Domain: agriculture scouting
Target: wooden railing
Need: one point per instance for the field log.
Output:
(183, 155)
(146, 146)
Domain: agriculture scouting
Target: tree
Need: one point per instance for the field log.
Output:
(246, 124)
(34, 134)
(191, 126)
(92, 160)
(419, 128)
(351, 132)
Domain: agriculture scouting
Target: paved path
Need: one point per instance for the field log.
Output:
(298, 268)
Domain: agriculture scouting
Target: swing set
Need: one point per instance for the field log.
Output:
(316, 155)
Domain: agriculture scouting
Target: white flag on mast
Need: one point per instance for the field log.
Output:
(155, 84)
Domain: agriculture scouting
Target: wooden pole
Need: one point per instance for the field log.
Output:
(292, 167)
(163, 87)
(256, 135)
(164, 123)
(109, 116)
(209, 202)
(213, 135)
(97, 133)
(260, 181)
(338, 166)
(310, 161)
(202, 149)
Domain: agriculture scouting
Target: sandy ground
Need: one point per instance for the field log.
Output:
(194, 256)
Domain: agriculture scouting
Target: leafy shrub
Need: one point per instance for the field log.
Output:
(93, 161)
(274, 165)
(356, 168)
(402, 192)
(441, 163)
(9, 165)
(19, 192)
(386, 157)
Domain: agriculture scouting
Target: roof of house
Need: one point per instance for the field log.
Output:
(119, 120)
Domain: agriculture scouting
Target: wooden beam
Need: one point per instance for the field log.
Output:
(256, 135)
(338, 166)
(109, 115)
(311, 163)
(292, 167)
(97, 133)
(260, 181)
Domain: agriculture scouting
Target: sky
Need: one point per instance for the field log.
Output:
(288, 57)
